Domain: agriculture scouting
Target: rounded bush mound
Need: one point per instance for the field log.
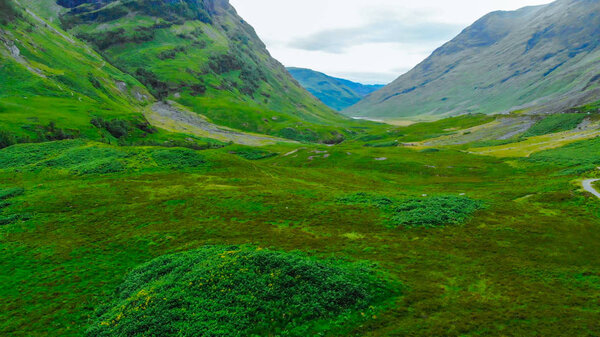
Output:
(241, 291)
(434, 211)
(178, 158)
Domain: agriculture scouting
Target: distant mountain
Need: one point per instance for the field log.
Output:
(537, 59)
(200, 54)
(335, 92)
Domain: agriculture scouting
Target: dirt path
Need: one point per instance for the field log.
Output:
(587, 185)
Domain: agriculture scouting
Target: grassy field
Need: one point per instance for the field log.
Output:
(78, 216)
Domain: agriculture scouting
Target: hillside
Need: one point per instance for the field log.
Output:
(336, 93)
(52, 85)
(537, 59)
(202, 55)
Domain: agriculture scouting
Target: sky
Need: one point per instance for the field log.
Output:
(368, 41)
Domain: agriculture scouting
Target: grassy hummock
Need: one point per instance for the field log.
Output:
(240, 291)
(436, 211)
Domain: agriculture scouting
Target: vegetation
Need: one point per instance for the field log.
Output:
(7, 12)
(555, 123)
(213, 64)
(434, 211)
(252, 153)
(437, 211)
(102, 213)
(241, 291)
(182, 200)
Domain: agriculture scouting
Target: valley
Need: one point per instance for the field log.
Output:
(161, 174)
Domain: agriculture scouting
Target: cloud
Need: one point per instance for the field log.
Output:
(369, 77)
(337, 41)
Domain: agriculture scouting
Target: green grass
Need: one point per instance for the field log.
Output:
(576, 158)
(555, 123)
(241, 291)
(77, 235)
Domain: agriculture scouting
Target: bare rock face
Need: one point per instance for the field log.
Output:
(541, 59)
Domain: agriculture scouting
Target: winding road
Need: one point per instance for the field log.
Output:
(587, 185)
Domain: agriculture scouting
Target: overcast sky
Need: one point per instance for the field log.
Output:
(369, 41)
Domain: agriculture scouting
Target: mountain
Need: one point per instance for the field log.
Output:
(201, 55)
(536, 59)
(52, 85)
(336, 93)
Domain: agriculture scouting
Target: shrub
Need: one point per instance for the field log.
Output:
(383, 144)
(362, 198)
(578, 157)
(434, 211)
(178, 158)
(555, 123)
(7, 220)
(171, 53)
(427, 212)
(23, 155)
(51, 132)
(7, 12)
(306, 135)
(88, 160)
(94, 81)
(7, 139)
(7, 193)
(240, 291)
(149, 79)
(254, 154)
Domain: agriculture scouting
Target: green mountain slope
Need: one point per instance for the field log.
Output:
(538, 59)
(202, 55)
(52, 85)
(336, 93)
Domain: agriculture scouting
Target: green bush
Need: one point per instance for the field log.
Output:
(362, 198)
(7, 139)
(427, 212)
(241, 291)
(383, 144)
(7, 193)
(7, 220)
(306, 135)
(254, 154)
(7, 12)
(178, 158)
(555, 123)
(51, 132)
(22, 155)
(434, 211)
(88, 160)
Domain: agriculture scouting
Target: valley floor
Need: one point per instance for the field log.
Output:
(527, 264)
